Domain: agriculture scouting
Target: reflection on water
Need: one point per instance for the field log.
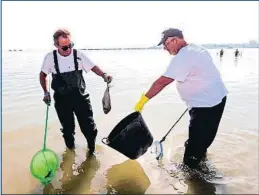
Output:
(73, 179)
(124, 178)
(236, 61)
(220, 60)
(198, 186)
(127, 178)
(205, 179)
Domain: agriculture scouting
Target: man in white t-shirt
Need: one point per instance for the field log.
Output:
(67, 65)
(199, 85)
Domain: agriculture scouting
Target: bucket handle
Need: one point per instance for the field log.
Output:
(105, 140)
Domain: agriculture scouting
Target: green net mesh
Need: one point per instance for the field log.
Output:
(44, 165)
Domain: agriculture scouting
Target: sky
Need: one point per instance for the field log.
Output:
(30, 25)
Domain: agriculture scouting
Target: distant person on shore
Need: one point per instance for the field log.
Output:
(67, 65)
(221, 53)
(200, 86)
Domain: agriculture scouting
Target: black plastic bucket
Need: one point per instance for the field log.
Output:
(130, 136)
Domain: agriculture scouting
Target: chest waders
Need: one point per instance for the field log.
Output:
(71, 98)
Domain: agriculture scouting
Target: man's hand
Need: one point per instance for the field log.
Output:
(47, 98)
(107, 78)
(140, 104)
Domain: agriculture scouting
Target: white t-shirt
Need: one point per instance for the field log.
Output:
(66, 64)
(199, 81)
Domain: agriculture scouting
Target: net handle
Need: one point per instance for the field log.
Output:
(160, 155)
(163, 139)
(45, 136)
(46, 123)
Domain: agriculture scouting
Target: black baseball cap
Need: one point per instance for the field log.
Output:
(171, 32)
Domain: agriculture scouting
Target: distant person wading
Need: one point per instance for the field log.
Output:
(236, 53)
(200, 86)
(67, 65)
(221, 53)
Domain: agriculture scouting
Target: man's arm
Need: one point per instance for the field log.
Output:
(158, 86)
(107, 78)
(45, 70)
(97, 71)
(89, 65)
(178, 70)
(43, 81)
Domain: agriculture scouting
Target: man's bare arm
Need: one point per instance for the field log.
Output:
(158, 85)
(97, 71)
(107, 78)
(43, 81)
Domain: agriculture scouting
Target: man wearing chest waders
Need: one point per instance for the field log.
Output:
(199, 85)
(67, 65)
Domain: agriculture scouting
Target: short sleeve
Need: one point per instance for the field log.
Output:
(87, 64)
(46, 65)
(179, 68)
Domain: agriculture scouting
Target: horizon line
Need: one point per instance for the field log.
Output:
(251, 44)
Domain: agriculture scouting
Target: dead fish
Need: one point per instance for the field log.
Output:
(49, 173)
(106, 101)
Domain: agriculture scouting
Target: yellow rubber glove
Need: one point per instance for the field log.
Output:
(139, 106)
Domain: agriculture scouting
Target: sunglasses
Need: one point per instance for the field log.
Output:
(65, 48)
(166, 44)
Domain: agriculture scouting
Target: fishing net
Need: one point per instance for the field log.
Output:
(157, 150)
(45, 162)
(44, 165)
